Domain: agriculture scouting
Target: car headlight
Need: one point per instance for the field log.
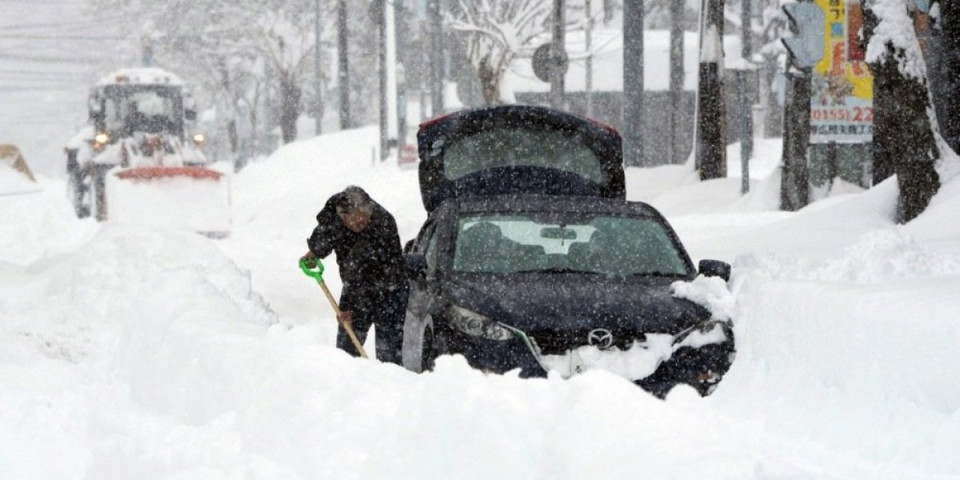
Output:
(199, 139)
(101, 138)
(477, 325)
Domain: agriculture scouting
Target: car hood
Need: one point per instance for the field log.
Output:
(574, 302)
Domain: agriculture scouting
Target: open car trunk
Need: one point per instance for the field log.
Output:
(518, 149)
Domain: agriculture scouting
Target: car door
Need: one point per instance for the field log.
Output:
(424, 246)
(423, 297)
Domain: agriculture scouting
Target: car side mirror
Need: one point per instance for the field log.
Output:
(715, 268)
(190, 114)
(416, 265)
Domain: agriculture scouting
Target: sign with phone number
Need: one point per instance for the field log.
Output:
(851, 114)
(841, 107)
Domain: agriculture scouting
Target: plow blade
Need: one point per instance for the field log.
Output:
(188, 198)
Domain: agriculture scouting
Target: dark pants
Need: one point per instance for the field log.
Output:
(387, 313)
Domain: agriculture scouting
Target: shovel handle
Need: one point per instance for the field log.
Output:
(317, 274)
(346, 326)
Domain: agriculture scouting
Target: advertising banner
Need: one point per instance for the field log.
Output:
(841, 107)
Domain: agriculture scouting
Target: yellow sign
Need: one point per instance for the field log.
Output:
(841, 107)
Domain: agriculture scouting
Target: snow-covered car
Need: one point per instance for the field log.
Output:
(532, 259)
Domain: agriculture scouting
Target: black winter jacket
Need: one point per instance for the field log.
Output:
(371, 262)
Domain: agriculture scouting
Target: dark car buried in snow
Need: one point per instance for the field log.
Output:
(532, 259)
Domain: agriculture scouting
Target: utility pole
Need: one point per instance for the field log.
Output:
(677, 74)
(804, 50)
(794, 190)
(380, 8)
(589, 61)
(317, 73)
(435, 25)
(343, 62)
(401, 33)
(711, 159)
(746, 106)
(425, 60)
(388, 78)
(558, 56)
(633, 89)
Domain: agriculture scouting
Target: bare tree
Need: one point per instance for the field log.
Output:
(905, 127)
(236, 51)
(496, 32)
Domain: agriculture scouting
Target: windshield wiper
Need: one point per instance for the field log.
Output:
(557, 270)
(657, 274)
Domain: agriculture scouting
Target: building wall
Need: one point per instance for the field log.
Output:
(608, 108)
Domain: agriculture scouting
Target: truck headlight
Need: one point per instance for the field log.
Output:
(477, 325)
(101, 138)
(199, 139)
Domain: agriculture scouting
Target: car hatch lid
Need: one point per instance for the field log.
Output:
(518, 149)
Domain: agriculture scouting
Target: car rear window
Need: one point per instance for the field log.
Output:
(521, 147)
(609, 245)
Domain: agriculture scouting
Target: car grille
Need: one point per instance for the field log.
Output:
(553, 342)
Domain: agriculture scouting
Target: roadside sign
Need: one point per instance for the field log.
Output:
(806, 23)
(544, 63)
(408, 156)
(841, 108)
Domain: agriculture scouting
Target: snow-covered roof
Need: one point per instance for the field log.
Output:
(141, 76)
(607, 46)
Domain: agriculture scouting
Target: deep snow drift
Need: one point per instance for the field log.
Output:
(134, 353)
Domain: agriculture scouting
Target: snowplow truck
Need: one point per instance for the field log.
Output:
(139, 159)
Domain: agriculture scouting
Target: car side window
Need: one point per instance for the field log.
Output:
(431, 250)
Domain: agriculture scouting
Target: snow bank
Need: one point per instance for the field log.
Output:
(843, 320)
(38, 221)
(13, 182)
(135, 321)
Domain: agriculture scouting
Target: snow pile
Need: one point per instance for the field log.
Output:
(13, 182)
(38, 224)
(880, 255)
(710, 292)
(135, 321)
(635, 363)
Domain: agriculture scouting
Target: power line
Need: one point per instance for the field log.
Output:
(98, 22)
(60, 37)
(38, 59)
(40, 73)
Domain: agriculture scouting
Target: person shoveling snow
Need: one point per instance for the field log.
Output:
(365, 238)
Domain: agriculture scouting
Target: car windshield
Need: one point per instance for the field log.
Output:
(521, 147)
(601, 244)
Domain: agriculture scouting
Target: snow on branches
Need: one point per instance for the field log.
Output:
(496, 32)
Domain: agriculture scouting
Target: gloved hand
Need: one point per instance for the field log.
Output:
(310, 260)
(345, 317)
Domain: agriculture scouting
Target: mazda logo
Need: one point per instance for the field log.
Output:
(600, 338)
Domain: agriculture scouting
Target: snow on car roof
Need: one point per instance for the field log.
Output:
(141, 76)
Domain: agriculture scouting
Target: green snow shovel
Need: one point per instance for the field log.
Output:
(317, 274)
